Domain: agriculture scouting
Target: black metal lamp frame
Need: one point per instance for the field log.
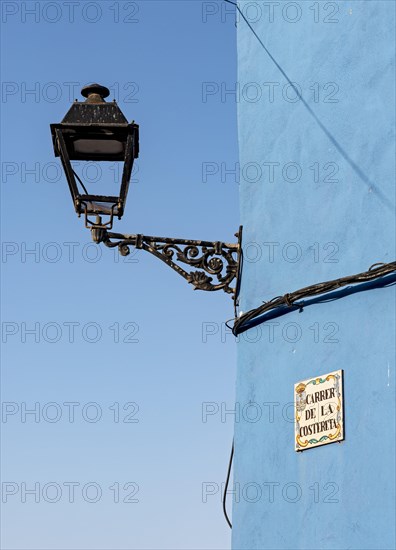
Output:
(93, 204)
(96, 121)
(216, 264)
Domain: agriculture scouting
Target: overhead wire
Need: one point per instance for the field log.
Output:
(371, 185)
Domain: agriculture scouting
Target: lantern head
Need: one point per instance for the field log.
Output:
(94, 130)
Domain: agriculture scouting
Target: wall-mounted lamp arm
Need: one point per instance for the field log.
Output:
(211, 260)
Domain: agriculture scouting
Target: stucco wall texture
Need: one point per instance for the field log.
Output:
(317, 197)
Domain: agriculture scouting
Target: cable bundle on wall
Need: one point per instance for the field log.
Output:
(291, 300)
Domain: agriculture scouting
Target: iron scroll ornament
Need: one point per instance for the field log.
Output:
(211, 260)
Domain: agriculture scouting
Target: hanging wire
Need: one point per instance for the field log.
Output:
(226, 486)
(81, 183)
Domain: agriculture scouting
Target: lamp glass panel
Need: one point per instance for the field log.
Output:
(98, 147)
(96, 207)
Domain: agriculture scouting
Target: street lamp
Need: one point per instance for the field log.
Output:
(95, 130)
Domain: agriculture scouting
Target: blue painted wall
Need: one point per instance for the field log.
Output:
(326, 211)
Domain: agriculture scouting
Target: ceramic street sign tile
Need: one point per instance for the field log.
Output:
(319, 411)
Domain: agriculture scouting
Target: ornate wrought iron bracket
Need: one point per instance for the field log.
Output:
(211, 260)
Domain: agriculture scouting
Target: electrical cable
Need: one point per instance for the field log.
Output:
(371, 185)
(79, 179)
(291, 299)
(226, 486)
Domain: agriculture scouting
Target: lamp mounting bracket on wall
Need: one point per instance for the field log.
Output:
(216, 263)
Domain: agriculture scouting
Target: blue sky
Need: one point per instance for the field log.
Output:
(157, 57)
